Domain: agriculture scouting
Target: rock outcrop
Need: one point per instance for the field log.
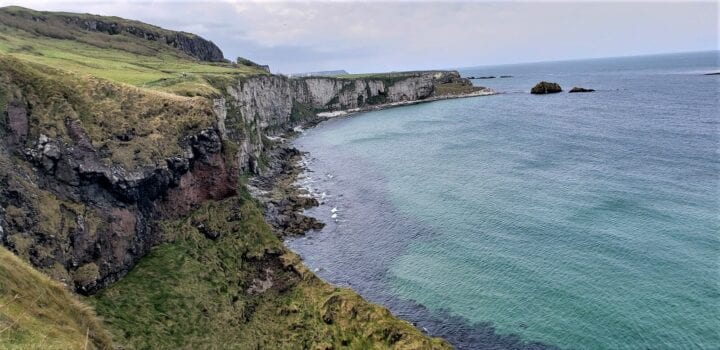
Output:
(545, 87)
(580, 89)
(87, 223)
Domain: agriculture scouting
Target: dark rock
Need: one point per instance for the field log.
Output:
(579, 89)
(17, 122)
(127, 135)
(506, 76)
(545, 87)
(487, 77)
(190, 44)
(128, 201)
(211, 234)
(713, 73)
(246, 62)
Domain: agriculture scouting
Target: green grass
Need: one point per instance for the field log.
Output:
(194, 292)
(450, 89)
(105, 110)
(116, 65)
(112, 84)
(120, 58)
(38, 313)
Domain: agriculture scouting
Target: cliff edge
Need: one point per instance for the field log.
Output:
(127, 185)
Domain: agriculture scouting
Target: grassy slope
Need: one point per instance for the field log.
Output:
(120, 58)
(105, 110)
(112, 84)
(38, 313)
(201, 293)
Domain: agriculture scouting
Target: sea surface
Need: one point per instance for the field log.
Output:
(576, 221)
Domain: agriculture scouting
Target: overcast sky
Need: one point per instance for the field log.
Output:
(384, 36)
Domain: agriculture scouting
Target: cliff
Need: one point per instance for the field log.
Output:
(104, 171)
(268, 105)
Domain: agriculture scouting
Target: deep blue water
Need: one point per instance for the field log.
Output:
(579, 221)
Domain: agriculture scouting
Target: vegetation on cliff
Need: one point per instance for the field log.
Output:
(39, 313)
(243, 289)
(110, 114)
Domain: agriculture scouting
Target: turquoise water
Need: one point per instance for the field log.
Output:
(579, 221)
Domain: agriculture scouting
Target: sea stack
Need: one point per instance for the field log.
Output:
(545, 87)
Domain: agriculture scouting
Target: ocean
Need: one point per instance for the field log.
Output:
(573, 221)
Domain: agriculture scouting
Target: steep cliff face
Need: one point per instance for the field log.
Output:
(268, 105)
(87, 167)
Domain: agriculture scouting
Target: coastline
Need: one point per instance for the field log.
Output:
(283, 200)
(481, 91)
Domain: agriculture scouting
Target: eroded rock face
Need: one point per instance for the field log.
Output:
(75, 211)
(545, 87)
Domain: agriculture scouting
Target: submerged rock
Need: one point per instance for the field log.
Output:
(545, 87)
(580, 89)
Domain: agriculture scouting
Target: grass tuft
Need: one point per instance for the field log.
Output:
(38, 313)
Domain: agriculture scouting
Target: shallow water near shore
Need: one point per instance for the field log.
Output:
(583, 221)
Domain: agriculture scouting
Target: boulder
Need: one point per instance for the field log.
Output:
(579, 89)
(545, 87)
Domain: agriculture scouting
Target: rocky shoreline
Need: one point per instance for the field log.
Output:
(281, 199)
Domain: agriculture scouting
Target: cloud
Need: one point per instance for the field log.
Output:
(376, 36)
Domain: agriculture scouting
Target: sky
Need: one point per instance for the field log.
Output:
(372, 36)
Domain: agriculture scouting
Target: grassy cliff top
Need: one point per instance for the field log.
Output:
(38, 313)
(386, 75)
(116, 49)
(112, 75)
